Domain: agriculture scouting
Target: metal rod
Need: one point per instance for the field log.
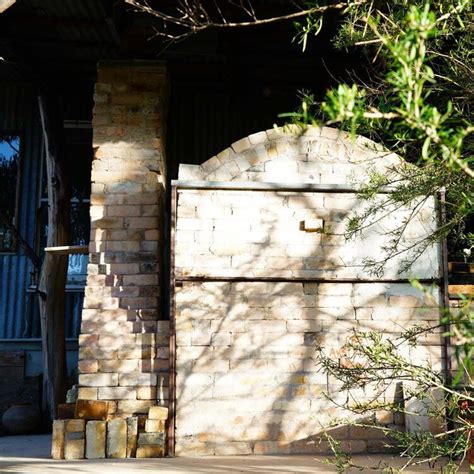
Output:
(183, 278)
(172, 341)
(68, 249)
(255, 186)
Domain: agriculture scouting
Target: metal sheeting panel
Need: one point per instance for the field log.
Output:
(18, 113)
(205, 120)
(73, 308)
(84, 9)
(19, 317)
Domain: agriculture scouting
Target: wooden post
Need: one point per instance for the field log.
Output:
(52, 281)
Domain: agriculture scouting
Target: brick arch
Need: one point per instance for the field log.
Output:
(318, 155)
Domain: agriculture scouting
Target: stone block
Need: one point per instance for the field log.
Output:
(88, 366)
(132, 435)
(57, 447)
(74, 442)
(189, 172)
(98, 380)
(418, 418)
(151, 439)
(123, 211)
(364, 313)
(95, 439)
(134, 406)
(220, 174)
(74, 448)
(210, 165)
(257, 138)
(140, 280)
(137, 379)
(92, 410)
(155, 426)
(271, 447)
(146, 393)
(404, 301)
(335, 289)
(117, 393)
(117, 438)
(185, 447)
(158, 413)
(96, 352)
(331, 301)
(143, 222)
(234, 448)
(221, 339)
(266, 326)
(119, 366)
(241, 145)
(150, 451)
(87, 393)
(75, 426)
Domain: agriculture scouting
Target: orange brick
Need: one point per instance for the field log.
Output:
(88, 366)
(92, 410)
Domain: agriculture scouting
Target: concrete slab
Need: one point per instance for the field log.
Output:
(30, 454)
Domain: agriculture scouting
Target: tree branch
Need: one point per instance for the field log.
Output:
(194, 17)
(27, 249)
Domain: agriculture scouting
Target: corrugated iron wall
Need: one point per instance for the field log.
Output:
(18, 112)
(204, 120)
(19, 315)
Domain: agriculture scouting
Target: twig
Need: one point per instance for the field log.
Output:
(27, 249)
(186, 21)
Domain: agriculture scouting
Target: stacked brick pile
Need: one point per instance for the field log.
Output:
(123, 346)
(93, 434)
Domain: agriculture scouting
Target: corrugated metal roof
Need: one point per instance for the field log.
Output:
(81, 21)
(73, 8)
(79, 9)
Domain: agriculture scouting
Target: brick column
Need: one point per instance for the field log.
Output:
(123, 343)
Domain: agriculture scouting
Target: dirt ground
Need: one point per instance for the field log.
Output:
(30, 454)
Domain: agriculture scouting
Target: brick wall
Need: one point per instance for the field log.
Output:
(246, 375)
(124, 341)
(230, 233)
(247, 380)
